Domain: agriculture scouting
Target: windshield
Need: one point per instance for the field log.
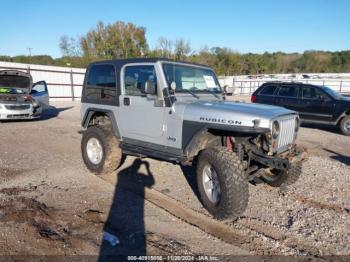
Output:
(13, 84)
(191, 78)
(332, 92)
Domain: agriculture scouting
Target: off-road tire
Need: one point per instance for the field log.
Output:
(342, 125)
(285, 178)
(112, 153)
(232, 180)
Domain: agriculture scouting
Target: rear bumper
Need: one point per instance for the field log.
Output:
(283, 161)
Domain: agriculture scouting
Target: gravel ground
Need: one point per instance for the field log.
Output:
(313, 213)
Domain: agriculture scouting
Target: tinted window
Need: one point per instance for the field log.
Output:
(135, 78)
(102, 75)
(310, 92)
(289, 91)
(101, 83)
(268, 90)
(332, 92)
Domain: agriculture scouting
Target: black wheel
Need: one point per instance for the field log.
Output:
(100, 150)
(283, 178)
(222, 184)
(345, 125)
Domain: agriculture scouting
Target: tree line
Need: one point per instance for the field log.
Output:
(126, 40)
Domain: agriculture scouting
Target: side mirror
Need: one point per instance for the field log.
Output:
(173, 87)
(150, 88)
(225, 89)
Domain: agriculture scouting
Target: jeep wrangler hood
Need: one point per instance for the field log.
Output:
(233, 113)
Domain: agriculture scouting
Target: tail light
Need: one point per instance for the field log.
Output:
(253, 99)
(28, 98)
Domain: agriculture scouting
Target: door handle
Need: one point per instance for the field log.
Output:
(126, 101)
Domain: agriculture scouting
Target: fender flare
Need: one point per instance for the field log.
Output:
(200, 140)
(91, 111)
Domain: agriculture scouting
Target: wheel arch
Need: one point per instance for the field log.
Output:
(201, 138)
(197, 136)
(91, 113)
(340, 118)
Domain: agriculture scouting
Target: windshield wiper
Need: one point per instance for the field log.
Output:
(213, 93)
(192, 93)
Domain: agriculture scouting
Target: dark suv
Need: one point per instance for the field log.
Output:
(315, 104)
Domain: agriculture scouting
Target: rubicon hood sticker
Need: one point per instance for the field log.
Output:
(220, 120)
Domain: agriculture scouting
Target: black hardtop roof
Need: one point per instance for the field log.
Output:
(120, 62)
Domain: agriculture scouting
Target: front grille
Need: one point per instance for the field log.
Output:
(287, 129)
(18, 116)
(17, 107)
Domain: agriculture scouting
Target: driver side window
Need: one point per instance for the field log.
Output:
(135, 78)
(314, 93)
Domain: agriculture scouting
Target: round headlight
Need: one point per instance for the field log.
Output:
(275, 129)
(297, 124)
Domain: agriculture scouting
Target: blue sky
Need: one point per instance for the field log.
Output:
(244, 26)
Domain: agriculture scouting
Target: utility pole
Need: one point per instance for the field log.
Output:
(30, 53)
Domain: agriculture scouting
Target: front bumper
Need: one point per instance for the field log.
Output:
(18, 114)
(283, 161)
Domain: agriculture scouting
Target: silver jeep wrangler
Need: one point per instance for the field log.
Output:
(176, 111)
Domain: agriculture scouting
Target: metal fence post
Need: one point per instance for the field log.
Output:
(340, 86)
(233, 86)
(323, 82)
(72, 84)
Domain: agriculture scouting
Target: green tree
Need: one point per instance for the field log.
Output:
(70, 46)
(118, 40)
(182, 49)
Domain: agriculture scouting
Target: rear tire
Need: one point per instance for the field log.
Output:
(100, 150)
(345, 125)
(230, 176)
(284, 178)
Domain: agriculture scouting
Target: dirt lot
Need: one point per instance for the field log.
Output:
(51, 205)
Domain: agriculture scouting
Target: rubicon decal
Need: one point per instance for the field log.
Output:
(220, 120)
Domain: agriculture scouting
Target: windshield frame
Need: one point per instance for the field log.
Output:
(193, 66)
